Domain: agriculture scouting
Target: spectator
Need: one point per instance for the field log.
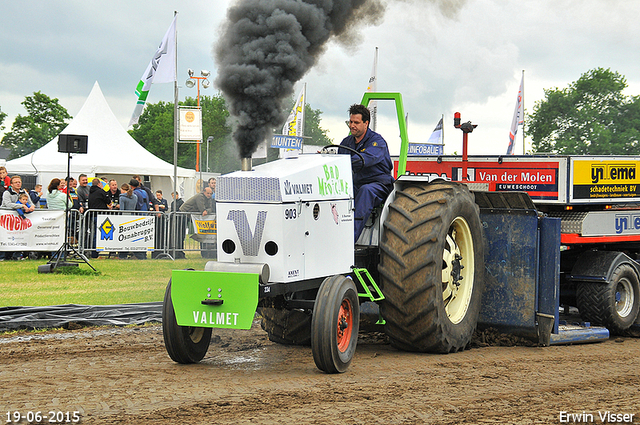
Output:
(178, 226)
(74, 204)
(5, 181)
(83, 192)
(24, 199)
(200, 203)
(128, 202)
(72, 192)
(10, 196)
(98, 199)
(209, 249)
(143, 198)
(177, 202)
(163, 206)
(35, 194)
(160, 232)
(57, 199)
(113, 194)
(10, 201)
(152, 199)
(212, 185)
(141, 205)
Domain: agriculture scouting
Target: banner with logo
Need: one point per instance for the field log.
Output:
(125, 232)
(602, 179)
(190, 124)
(205, 228)
(41, 230)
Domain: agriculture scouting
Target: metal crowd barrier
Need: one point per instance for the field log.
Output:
(173, 234)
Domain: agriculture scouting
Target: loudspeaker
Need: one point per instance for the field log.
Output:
(72, 143)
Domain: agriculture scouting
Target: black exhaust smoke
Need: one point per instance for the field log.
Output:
(268, 45)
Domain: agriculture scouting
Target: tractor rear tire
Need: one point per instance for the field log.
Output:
(432, 267)
(335, 324)
(288, 327)
(184, 344)
(614, 304)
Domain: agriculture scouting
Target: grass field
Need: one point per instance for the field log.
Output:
(116, 282)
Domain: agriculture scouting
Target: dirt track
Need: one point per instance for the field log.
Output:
(124, 376)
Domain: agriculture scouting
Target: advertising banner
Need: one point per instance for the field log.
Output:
(423, 149)
(125, 232)
(205, 228)
(41, 230)
(190, 124)
(286, 142)
(605, 179)
(541, 179)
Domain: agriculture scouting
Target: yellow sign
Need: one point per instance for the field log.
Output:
(605, 172)
(605, 179)
(206, 227)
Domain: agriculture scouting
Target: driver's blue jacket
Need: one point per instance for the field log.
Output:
(377, 161)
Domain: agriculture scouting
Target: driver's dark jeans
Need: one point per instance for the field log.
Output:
(368, 196)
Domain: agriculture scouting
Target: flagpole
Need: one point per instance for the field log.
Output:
(175, 141)
(304, 108)
(375, 88)
(524, 146)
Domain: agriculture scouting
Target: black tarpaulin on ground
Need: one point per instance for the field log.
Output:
(56, 316)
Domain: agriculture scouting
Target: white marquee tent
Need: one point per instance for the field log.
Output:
(111, 153)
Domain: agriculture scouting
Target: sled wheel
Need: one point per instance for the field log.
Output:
(432, 267)
(184, 344)
(334, 324)
(614, 304)
(289, 327)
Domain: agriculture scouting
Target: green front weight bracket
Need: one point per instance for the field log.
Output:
(214, 299)
(368, 293)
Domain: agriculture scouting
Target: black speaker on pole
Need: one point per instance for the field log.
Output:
(67, 143)
(72, 143)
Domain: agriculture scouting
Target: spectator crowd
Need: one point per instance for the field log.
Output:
(86, 194)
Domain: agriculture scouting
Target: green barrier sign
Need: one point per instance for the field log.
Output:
(214, 299)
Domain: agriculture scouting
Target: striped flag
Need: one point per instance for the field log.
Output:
(294, 126)
(373, 87)
(518, 118)
(161, 69)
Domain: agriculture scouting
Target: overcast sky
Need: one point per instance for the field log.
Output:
(442, 55)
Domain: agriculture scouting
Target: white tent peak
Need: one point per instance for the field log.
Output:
(110, 149)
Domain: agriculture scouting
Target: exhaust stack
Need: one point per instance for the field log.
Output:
(246, 164)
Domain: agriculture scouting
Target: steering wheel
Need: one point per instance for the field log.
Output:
(324, 150)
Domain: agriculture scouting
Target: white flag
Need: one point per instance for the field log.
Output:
(518, 118)
(161, 69)
(436, 136)
(373, 87)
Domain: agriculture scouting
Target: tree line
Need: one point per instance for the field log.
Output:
(591, 116)
(46, 118)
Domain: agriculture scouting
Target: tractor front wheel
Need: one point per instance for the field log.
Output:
(184, 344)
(335, 324)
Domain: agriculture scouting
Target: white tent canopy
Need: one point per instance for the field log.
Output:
(111, 153)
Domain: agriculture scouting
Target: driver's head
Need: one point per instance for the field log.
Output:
(359, 117)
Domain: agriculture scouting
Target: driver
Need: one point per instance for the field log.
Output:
(372, 181)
